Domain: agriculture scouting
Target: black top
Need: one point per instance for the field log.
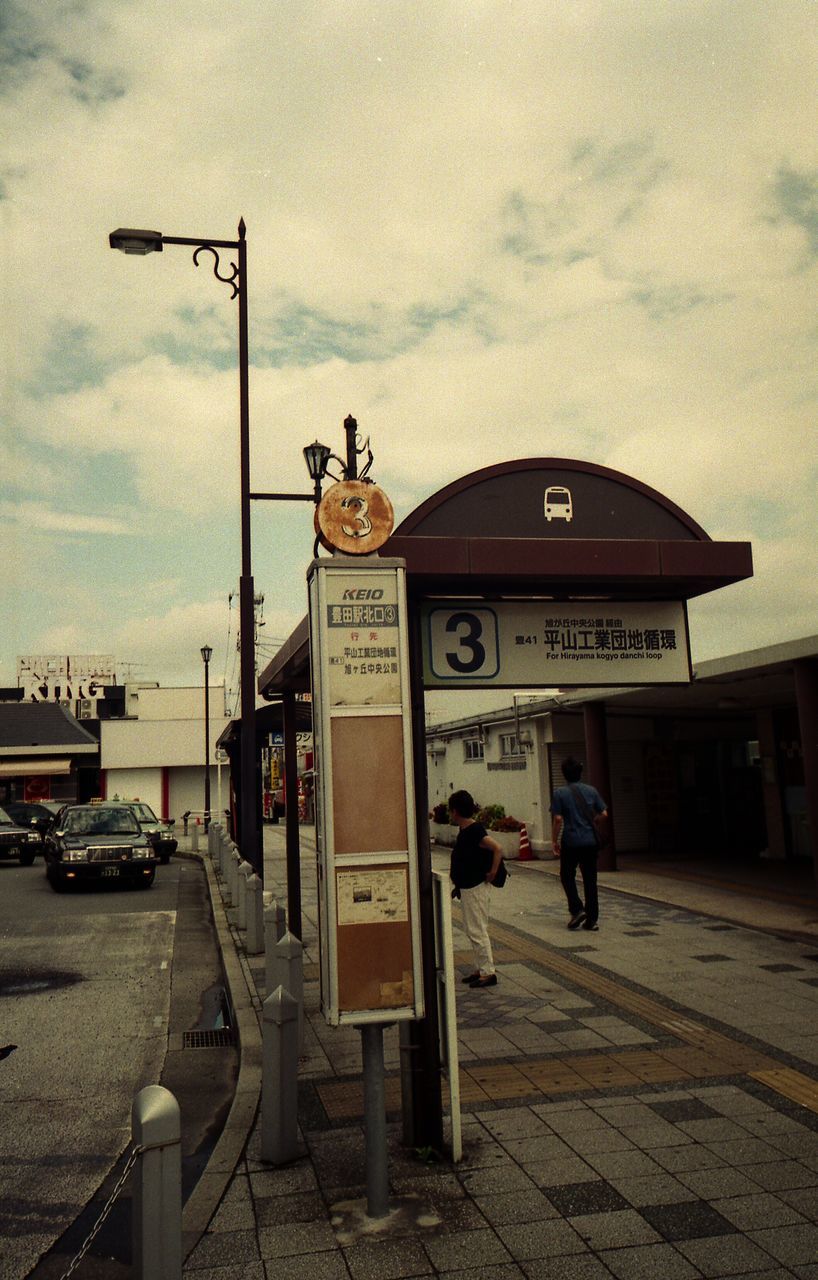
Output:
(470, 864)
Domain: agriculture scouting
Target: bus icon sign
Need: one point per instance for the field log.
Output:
(558, 505)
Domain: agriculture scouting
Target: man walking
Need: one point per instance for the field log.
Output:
(573, 808)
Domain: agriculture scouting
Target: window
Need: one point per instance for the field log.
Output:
(472, 749)
(509, 746)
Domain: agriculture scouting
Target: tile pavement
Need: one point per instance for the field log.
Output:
(614, 1120)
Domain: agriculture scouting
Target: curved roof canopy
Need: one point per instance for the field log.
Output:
(545, 527)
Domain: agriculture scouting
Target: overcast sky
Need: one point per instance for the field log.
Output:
(487, 228)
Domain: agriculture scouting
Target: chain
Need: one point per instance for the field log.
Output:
(87, 1242)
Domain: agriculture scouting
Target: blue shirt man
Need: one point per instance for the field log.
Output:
(573, 808)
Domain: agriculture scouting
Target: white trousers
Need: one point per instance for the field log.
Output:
(475, 906)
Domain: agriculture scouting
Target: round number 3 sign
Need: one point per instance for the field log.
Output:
(354, 517)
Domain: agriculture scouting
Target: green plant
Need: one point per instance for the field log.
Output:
(440, 813)
(491, 814)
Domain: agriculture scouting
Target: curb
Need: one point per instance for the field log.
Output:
(211, 1186)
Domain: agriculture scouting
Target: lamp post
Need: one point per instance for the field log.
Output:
(207, 654)
(140, 242)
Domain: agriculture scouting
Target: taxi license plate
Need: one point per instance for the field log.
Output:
(110, 871)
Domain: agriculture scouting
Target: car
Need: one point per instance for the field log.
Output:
(159, 833)
(31, 814)
(93, 843)
(18, 841)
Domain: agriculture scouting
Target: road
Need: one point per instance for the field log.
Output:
(92, 986)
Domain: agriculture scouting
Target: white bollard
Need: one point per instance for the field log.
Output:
(245, 871)
(288, 972)
(157, 1185)
(254, 943)
(279, 1080)
(275, 926)
(233, 876)
(194, 837)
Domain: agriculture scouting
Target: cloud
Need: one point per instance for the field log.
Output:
(487, 230)
(36, 517)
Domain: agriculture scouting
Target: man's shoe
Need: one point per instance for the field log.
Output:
(592, 928)
(470, 977)
(576, 920)
(490, 980)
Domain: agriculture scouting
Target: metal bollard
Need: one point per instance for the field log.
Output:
(288, 972)
(279, 1080)
(157, 1185)
(254, 943)
(244, 873)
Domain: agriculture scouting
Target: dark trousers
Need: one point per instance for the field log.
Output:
(586, 860)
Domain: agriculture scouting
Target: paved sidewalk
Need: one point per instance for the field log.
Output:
(638, 1102)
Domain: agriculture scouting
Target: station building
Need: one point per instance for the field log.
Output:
(723, 768)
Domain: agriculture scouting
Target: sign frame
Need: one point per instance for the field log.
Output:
(513, 644)
(366, 835)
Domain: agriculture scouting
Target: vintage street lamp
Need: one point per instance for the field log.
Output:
(140, 242)
(207, 654)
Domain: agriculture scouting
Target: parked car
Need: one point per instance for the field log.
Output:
(159, 833)
(18, 841)
(94, 843)
(31, 814)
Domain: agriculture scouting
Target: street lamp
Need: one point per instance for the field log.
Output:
(207, 654)
(140, 242)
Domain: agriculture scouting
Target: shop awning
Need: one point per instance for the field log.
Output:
(33, 768)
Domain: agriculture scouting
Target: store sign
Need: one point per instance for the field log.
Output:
(516, 644)
(65, 679)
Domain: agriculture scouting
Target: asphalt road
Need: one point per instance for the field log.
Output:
(96, 987)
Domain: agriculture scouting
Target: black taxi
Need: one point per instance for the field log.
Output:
(98, 843)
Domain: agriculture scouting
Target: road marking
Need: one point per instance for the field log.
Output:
(164, 964)
(159, 1021)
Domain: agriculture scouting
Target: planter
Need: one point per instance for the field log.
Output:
(443, 833)
(509, 842)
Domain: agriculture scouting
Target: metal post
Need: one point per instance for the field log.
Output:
(424, 1035)
(157, 1185)
(351, 429)
(279, 1087)
(206, 655)
(292, 839)
(247, 647)
(598, 771)
(254, 943)
(377, 1174)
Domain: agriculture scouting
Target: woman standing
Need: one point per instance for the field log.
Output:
(475, 861)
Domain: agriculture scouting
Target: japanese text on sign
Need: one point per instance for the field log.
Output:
(363, 654)
(509, 643)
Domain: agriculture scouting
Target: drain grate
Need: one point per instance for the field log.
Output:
(217, 1038)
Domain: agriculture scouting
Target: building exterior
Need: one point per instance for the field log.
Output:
(157, 752)
(45, 753)
(723, 767)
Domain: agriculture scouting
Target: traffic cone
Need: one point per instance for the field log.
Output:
(525, 854)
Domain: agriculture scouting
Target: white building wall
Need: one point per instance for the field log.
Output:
(136, 784)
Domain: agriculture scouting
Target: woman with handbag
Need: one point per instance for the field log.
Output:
(476, 859)
(576, 809)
